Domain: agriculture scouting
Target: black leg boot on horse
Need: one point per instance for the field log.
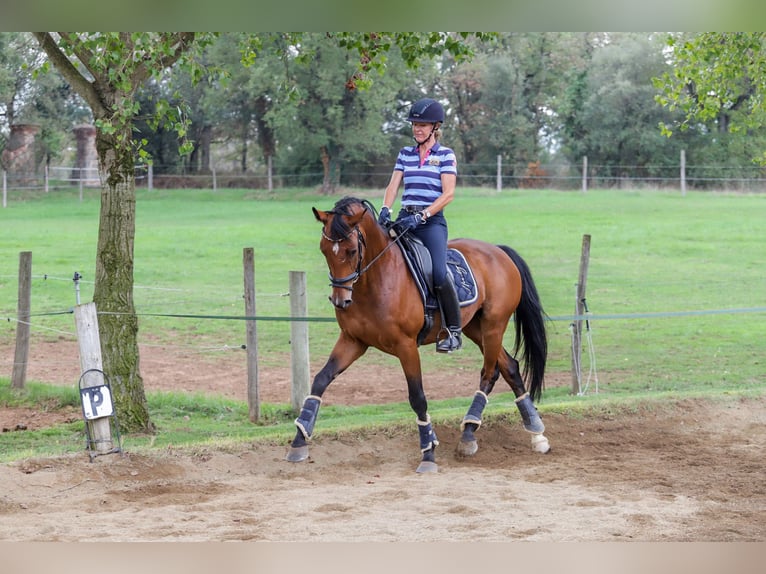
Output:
(451, 321)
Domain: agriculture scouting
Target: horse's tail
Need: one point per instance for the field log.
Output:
(529, 321)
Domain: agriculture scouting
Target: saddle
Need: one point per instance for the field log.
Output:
(419, 263)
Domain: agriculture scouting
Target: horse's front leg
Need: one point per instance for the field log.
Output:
(472, 420)
(489, 343)
(410, 361)
(345, 352)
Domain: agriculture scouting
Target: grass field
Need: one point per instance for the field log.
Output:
(665, 273)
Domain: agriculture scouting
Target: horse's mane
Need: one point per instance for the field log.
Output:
(339, 228)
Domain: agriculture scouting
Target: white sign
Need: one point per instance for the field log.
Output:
(96, 402)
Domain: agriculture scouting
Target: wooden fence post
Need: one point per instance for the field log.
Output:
(21, 356)
(251, 334)
(579, 310)
(299, 339)
(86, 323)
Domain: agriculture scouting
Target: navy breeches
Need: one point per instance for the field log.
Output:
(434, 236)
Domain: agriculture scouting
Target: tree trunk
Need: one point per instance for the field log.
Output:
(266, 137)
(206, 136)
(326, 184)
(113, 292)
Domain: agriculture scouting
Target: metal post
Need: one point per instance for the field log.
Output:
(683, 172)
(5, 189)
(499, 172)
(76, 280)
(584, 173)
(271, 182)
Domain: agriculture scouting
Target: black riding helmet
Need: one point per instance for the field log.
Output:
(427, 111)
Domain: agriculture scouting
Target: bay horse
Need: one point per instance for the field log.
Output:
(377, 304)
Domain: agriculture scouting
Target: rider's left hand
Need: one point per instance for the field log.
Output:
(409, 222)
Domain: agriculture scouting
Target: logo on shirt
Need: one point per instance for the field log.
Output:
(434, 161)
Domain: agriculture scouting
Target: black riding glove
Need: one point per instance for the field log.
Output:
(409, 222)
(384, 218)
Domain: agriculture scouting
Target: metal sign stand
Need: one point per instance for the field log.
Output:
(97, 404)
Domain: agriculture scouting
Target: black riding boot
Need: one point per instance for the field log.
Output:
(450, 317)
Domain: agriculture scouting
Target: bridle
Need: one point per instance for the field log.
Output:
(340, 282)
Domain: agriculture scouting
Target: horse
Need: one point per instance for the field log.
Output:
(377, 304)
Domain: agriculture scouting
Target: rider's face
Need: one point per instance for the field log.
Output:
(422, 132)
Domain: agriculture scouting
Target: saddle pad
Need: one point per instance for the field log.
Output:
(465, 282)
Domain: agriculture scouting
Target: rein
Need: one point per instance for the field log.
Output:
(359, 271)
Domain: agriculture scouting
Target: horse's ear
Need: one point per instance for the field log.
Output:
(321, 216)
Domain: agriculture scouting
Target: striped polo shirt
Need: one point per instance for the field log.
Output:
(422, 183)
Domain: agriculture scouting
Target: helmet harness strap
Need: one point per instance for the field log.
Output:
(428, 137)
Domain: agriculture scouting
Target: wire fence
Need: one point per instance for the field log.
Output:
(500, 175)
(39, 319)
(176, 336)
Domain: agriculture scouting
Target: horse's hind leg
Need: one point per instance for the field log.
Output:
(509, 368)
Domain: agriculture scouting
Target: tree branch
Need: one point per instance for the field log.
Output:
(180, 42)
(72, 75)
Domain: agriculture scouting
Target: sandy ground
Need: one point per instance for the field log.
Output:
(693, 471)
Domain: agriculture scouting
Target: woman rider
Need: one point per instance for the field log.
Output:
(429, 172)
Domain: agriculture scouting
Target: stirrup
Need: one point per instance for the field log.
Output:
(452, 342)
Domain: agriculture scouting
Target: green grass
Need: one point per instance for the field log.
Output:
(195, 422)
(652, 252)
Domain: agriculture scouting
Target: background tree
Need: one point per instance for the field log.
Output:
(48, 101)
(505, 99)
(615, 123)
(17, 52)
(240, 101)
(718, 81)
(324, 125)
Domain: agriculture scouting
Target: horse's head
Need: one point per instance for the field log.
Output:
(343, 245)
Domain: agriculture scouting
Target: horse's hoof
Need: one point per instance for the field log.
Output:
(540, 444)
(427, 466)
(467, 447)
(298, 453)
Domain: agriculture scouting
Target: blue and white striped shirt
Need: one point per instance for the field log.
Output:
(422, 183)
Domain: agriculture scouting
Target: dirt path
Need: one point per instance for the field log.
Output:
(693, 471)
